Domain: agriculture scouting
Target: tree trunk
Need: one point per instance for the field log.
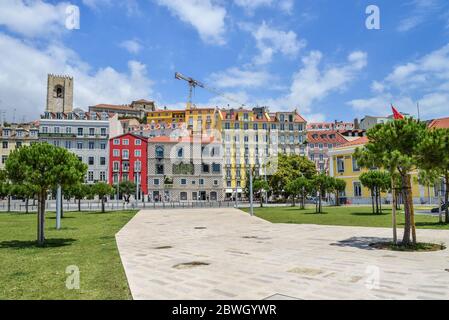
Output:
(380, 202)
(9, 203)
(393, 212)
(27, 200)
(446, 197)
(102, 205)
(372, 201)
(405, 196)
(79, 205)
(293, 201)
(41, 219)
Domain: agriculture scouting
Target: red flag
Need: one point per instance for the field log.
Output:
(396, 114)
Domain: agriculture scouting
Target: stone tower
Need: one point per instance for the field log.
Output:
(59, 93)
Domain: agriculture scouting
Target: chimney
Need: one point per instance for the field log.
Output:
(356, 123)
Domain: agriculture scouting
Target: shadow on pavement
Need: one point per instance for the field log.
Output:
(360, 242)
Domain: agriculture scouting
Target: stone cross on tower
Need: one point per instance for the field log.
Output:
(59, 93)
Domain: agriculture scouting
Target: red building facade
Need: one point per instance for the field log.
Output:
(128, 161)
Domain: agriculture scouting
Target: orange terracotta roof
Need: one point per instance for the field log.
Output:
(442, 123)
(323, 136)
(357, 142)
(298, 118)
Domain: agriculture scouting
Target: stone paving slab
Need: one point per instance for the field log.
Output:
(236, 256)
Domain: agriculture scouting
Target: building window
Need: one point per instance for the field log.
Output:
(213, 196)
(91, 161)
(156, 182)
(5, 144)
(159, 152)
(355, 165)
(125, 142)
(116, 153)
(102, 161)
(201, 182)
(183, 196)
(340, 164)
(215, 182)
(102, 176)
(103, 131)
(80, 131)
(68, 144)
(116, 142)
(91, 131)
(4, 159)
(103, 146)
(79, 145)
(205, 168)
(91, 145)
(90, 176)
(159, 169)
(183, 182)
(138, 142)
(137, 166)
(194, 196)
(216, 168)
(357, 189)
(125, 154)
(116, 166)
(137, 153)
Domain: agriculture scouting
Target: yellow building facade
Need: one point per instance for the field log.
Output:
(344, 166)
(16, 136)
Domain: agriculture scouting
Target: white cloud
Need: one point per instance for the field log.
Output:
(251, 5)
(312, 83)
(33, 18)
(271, 41)
(132, 46)
(132, 6)
(23, 75)
(207, 17)
(234, 77)
(421, 11)
(426, 79)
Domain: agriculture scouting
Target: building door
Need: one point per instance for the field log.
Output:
(202, 195)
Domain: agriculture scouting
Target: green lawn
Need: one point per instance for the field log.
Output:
(342, 216)
(87, 240)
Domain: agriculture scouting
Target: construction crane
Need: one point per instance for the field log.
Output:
(195, 83)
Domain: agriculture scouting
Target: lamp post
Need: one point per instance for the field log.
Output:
(251, 207)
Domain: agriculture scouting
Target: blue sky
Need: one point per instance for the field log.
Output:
(313, 55)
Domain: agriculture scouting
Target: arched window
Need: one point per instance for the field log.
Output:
(159, 152)
(59, 91)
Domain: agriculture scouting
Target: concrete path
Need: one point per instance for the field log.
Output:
(235, 256)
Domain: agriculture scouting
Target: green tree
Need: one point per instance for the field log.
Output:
(6, 188)
(78, 192)
(127, 189)
(260, 186)
(339, 185)
(44, 166)
(321, 184)
(394, 147)
(299, 187)
(377, 182)
(102, 190)
(25, 192)
(290, 167)
(434, 158)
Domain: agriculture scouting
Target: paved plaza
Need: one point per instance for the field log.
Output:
(226, 254)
